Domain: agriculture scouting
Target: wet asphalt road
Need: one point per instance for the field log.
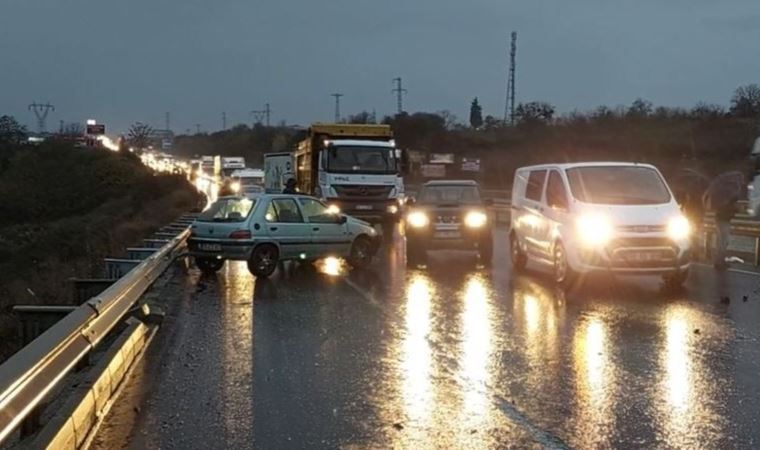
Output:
(451, 356)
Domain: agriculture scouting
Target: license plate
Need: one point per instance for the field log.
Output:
(645, 256)
(210, 247)
(364, 207)
(446, 234)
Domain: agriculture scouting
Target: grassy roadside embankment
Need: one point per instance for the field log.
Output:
(62, 210)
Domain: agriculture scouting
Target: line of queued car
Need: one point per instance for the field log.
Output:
(573, 219)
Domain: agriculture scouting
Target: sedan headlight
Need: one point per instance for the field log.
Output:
(679, 228)
(418, 219)
(594, 230)
(475, 219)
(235, 186)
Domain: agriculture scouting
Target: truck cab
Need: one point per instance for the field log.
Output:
(356, 168)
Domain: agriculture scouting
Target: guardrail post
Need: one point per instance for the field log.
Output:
(707, 245)
(757, 251)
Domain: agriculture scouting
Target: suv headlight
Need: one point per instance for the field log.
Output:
(679, 228)
(594, 230)
(418, 219)
(475, 219)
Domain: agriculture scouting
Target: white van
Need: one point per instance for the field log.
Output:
(602, 216)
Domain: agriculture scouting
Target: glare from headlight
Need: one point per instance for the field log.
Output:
(393, 209)
(333, 209)
(594, 230)
(418, 219)
(235, 186)
(679, 228)
(475, 219)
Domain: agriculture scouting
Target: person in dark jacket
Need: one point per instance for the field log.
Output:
(723, 216)
(290, 187)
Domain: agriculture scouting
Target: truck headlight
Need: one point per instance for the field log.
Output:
(475, 219)
(418, 219)
(392, 209)
(594, 230)
(235, 186)
(679, 228)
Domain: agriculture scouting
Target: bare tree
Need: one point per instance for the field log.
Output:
(11, 131)
(73, 129)
(640, 108)
(703, 110)
(534, 113)
(746, 101)
(139, 135)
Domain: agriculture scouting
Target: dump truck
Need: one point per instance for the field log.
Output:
(355, 167)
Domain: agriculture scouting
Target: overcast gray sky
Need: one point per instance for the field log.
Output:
(124, 61)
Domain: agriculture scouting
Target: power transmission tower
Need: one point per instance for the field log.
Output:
(263, 115)
(509, 108)
(197, 128)
(337, 106)
(224, 121)
(168, 121)
(399, 91)
(41, 112)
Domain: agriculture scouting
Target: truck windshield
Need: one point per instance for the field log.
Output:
(618, 185)
(350, 159)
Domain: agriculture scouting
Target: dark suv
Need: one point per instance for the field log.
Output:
(448, 214)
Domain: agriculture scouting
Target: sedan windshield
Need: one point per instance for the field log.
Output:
(228, 210)
(348, 159)
(618, 185)
(453, 194)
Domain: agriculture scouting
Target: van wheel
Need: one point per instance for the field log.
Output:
(519, 259)
(209, 265)
(361, 252)
(564, 275)
(416, 253)
(263, 261)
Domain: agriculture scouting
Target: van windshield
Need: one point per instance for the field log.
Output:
(233, 209)
(618, 185)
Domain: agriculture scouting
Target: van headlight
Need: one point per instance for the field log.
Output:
(679, 228)
(594, 230)
(475, 219)
(418, 219)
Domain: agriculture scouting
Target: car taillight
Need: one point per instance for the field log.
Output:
(240, 234)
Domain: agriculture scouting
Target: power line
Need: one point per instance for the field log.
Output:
(399, 91)
(337, 105)
(41, 112)
(509, 107)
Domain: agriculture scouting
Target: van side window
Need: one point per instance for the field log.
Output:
(535, 185)
(556, 195)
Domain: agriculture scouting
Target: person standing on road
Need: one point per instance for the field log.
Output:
(290, 187)
(723, 216)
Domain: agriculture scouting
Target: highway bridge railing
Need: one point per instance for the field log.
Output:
(29, 376)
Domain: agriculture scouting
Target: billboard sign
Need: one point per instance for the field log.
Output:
(441, 158)
(433, 170)
(96, 129)
(470, 164)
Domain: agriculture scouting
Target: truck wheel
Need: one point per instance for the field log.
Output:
(209, 265)
(388, 229)
(263, 261)
(361, 252)
(416, 253)
(519, 260)
(485, 250)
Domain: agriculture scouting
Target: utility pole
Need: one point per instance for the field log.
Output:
(399, 91)
(337, 106)
(197, 128)
(41, 112)
(60, 130)
(224, 121)
(509, 108)
(168, 121)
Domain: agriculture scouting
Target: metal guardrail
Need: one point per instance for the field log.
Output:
(30, 374)
(739, 227)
